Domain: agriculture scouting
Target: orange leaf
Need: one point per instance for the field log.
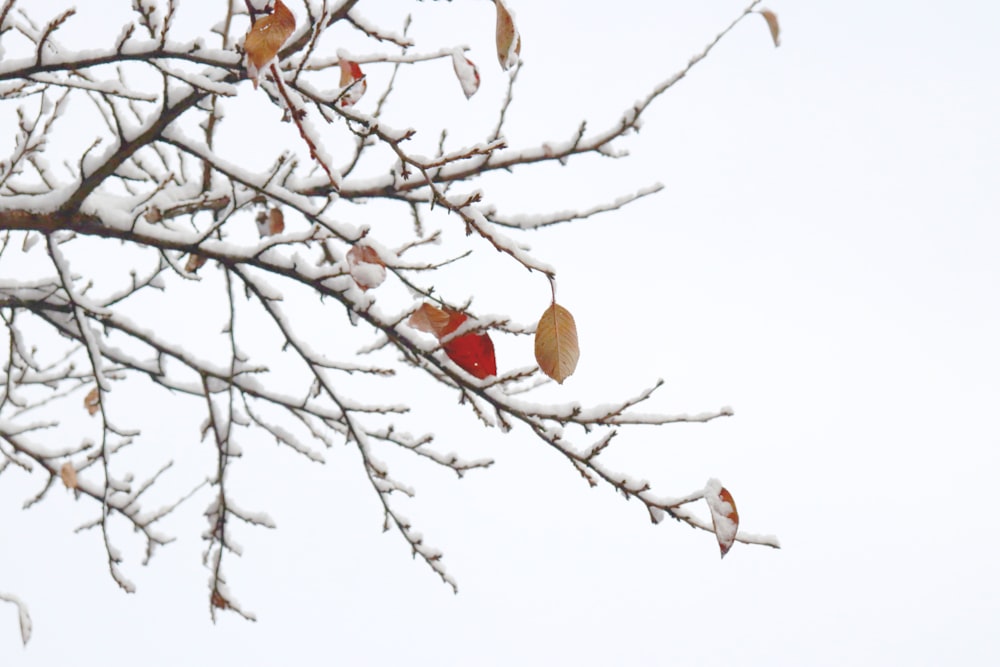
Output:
(465, 70)
(508, 39)
(367, 268)
(772, 25)
(68, 475)
(473, 353)
(350, 73)
(265, 37)
(725, 519)
(557, 348)
(92, 401)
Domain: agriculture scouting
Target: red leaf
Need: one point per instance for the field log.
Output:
(473, 353)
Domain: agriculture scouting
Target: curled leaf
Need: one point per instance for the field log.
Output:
(270, 223)
(772, 25)
(265, 37)
(508, 38)
(725, 519)
(465, 70)
(352, 80)
(92, 401)
(67, 473)
(557, 348)
(195, 262)
(367, 268)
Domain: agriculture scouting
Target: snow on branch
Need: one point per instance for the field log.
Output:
(146, 266)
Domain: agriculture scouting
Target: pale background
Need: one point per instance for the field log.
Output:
(823, 258)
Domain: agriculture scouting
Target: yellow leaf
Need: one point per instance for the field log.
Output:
(92, 401)
(725, 519)
(68, 475)
(557, 348)
(265, 37)
(508, 38)
(772, 25)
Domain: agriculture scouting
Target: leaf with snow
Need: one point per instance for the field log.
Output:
(67, 473)
(473, 352)
(265, 37)
(725, 519)
(557, 348)
(429, 319)
(772, 25)
(270, 223)
(22, 614)
(508, 38)
(465, 70)
(92, 401)
(352, 80)
(367, 268)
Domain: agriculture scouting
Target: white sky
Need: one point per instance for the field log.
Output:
(823, 258)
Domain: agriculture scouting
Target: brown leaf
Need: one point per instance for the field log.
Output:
(508, 38)
(195, 262)
(272, 222)
(430, 319)
(557, 348)
(772, 25)
(275, 221)
(68, 475)
(367, 268)
(265, 37)
(92, 401)
(725, 519)
(218, 601)
(350, 73)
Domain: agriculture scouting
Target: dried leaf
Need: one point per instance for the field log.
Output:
(557, 349)
(68, 475)
(466, 72)
(772, 25)
(350, 73)
(367, 268)
(508, 38)
(275, 221)
(218, 601)
(725, 519)
(266, 37)
(272, 222)
(92, 401)
(195, 262)
(429, 319)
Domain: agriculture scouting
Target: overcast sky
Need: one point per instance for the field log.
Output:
(823, 258)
